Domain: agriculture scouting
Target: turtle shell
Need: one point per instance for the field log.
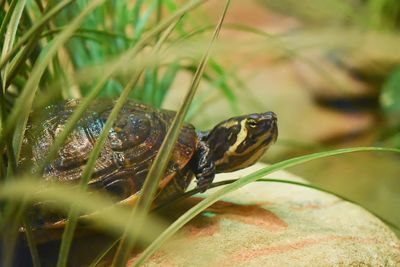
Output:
(128, 152)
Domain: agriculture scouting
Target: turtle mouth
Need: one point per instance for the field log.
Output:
(272, 118)
(267, 129)
(268, 133)
(274, 128)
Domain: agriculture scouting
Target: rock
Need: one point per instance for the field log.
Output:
(262, 224)
(273, 224)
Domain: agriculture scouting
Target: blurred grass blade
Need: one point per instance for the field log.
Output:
(7, 17)
(16, 64)
(142, 20)
(135, 14)
(108, 216)
(198, 208)
(10, 237)
(28, 35)
(222, 83)
(89, 168)
(11, 31)
(30, 240)
(102, 255)
(20, 59)
(159, 165)
(274, 180)
(390, 95)
(148, 87)
(121, 63)
(278, 42)
(92, 34)
(166, 82)
(20, 112)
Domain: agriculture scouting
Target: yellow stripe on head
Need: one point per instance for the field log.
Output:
(257, 132)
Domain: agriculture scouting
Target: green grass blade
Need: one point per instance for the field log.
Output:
(148, 87)
(94, 34)
(101, 256)
(15, 67)
(165, 83)
(10, 236)
(222, 83)
(89, 168)
(124, 60)
(274, 180)
(159, 10)
(141, 22)
(73, 214)
(22, 107)
(20, 59)
(10, 29)
(393, 225)
(7, 17)
(152, 87)
(159, 165)
(34, 29)
(278, 42)
(102, 211)
(10, 33)
(32, 245)
(39, 5)
(136, 13)
(19, 114)
(198, 208)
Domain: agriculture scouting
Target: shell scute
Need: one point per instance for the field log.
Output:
(129, 150)
(125, 159)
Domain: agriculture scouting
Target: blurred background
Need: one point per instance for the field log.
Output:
(329, 69)
(330, 72)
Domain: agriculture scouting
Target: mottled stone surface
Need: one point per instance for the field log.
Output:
(272, 224)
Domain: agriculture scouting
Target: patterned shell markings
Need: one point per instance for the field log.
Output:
(129, 150)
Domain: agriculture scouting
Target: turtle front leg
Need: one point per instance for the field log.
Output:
(203, 166)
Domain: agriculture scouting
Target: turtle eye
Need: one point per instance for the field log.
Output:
(252, 123)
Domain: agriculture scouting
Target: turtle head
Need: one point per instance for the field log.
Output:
(239, 142)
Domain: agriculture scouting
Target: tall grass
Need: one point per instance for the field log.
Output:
(55, 50)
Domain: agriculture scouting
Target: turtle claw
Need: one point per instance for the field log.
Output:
(204, 167)
(204, 182)
(205, 178)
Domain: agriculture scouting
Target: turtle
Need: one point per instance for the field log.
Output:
(132, 144)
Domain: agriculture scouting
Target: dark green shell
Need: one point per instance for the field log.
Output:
(129, 150)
